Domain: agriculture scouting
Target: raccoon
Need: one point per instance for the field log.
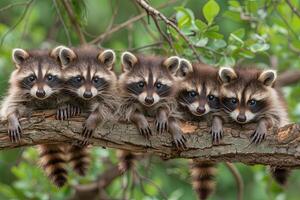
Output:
(147, 89)
(250, 95)
(198, 92)
(89, 84)
(35, 84)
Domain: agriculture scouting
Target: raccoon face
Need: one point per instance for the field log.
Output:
(199, 88)
(38, 73)
(148, 79)
(246, 93)
(88, 73)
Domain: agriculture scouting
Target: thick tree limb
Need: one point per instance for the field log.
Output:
(289, 77)
(281, 150)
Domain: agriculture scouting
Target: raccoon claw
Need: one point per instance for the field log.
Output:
(74, 111)
(15, 134)
(146, 132)
(161, 126)
(179, 142)
(257, 137)
(62, 113)
(87, 133)
(216, 136)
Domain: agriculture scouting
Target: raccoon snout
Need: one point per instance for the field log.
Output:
(40, 93)
(87, 94)
(200, 110)
(241, 118)
(149, 100)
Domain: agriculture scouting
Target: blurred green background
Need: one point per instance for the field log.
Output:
(260, 32)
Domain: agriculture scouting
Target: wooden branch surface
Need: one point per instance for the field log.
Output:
(280, 150)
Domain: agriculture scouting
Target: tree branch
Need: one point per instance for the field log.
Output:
(156, 14)
(289, 77)
(74, 21)
(283, 150)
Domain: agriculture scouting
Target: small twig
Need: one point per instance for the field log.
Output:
(12, 5)
(125, 24)
(74, 21)
(62, 22)
(238, 179)
(294, 9)
(28, 3)
(156, 14)
(157, 44)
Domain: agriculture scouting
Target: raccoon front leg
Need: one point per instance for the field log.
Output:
(89, 126)
(176, 133)
(260, 132)
(67, 111)
(142, 124)
(14, 128)
(216, 129)
(161, 120)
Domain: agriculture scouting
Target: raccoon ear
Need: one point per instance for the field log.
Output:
(55, 52)
(108, 58)
(268, 77)
(172, 64)
(66, 55)
(227, 74)
(19, 56)
(128, 60)
(185, 67)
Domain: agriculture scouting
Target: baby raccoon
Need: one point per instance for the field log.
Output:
(198, 98)
(250, 95)
(35, 84)
(89, 87)
(147, 87)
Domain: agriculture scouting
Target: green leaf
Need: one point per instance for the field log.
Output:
(202, 42)
(259, 47)
(226, 61)
(184, 16)
(211, 10)
(239, 33)
(200, 24)
(214, 35)
(218, 44)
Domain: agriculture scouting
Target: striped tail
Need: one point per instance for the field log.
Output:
(53, 161)
(79, 159)
(280, 175)
(126, 160)
(203, 175)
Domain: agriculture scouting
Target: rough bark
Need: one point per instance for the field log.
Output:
(281, 147)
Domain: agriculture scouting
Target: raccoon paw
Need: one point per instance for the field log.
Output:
(179, 142)
(74, 111)
(217, 135)
(145, 130)
(62, 113)
(87, 132)
(258, 135)
(15, 132)
(161, 126)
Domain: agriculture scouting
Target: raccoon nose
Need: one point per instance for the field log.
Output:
(241, 118)
(87, 94)
(201, 110)
(40, 93)
(149, 100)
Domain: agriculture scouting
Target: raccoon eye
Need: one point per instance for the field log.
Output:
(252, 102)
(158, 85)
(49, 77)
(96, 79)
(141, 84)
(234, 100)
(31, 78)
(192, 93)
(211, 97)
(78, 78)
